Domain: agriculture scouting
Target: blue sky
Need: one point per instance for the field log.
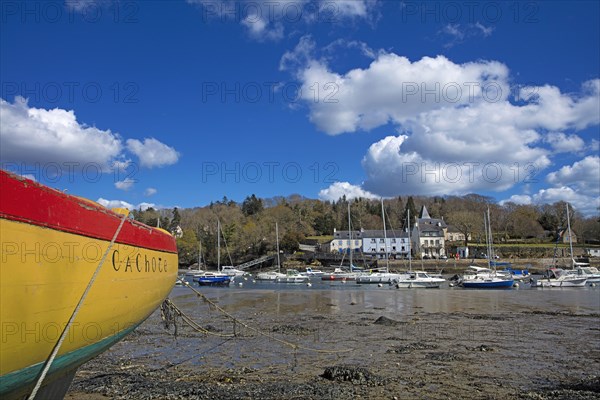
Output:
(180, 103)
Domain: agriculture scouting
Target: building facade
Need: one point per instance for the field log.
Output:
(428, 236)
(342, 243)
(395, 244)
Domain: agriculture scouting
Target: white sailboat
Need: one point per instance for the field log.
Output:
(380, 277)
(215, 278)
(339, 274)
(232, 271)
(583, 270)
(312, 273)
(190, 275)
(486, 278)
(273, 275)
(558, 277)
(291, 275)
(415, 279)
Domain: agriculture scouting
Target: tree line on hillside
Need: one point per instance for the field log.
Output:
(248, 228)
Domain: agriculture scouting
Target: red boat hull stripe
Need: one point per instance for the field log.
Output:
(26, 201)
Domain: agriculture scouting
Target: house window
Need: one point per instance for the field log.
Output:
(437, 242)
(357, 242)
(393, 240)
(340, 243)
(380, 240)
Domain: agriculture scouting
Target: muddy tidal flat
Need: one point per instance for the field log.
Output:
(334, 341)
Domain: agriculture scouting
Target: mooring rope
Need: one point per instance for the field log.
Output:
(63, 335)
(294, 346)
(168, 313)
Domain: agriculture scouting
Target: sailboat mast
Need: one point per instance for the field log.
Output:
(487, 239)
(277, 239)
(387, 259)
(199, 254)
(492, 255)
(570, 238)
(349, 236)
(409, 243)
(218, 245)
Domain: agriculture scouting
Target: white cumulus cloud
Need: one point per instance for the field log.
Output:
(35, 135)
(123, 204)
(583, 175)
(339, 189)
(578, 184)
(114, 203)
(125, 184)
(563, 143)
(38, 135)
(459, 127)
(150, 192)
(152, 152)
(521, 199)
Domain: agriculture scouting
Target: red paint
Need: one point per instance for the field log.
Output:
(26, 201)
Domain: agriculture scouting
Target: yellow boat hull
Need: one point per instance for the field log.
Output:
(43, 274)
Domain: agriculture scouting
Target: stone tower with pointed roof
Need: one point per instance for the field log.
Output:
(428, 235)
(424, 214)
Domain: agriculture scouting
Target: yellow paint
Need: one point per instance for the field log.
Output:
(44, 272)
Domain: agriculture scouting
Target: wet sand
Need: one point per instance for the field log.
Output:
(360, 342)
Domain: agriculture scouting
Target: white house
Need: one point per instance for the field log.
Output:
(342, 242)
(394, 243)
(428, 236)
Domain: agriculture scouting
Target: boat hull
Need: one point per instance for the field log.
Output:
(339, 277)
(213, 281)
(51, 246)
(432, 284)
(499, 284)
(377, 278)
(292, 279)
(555, 283)
(268, 276)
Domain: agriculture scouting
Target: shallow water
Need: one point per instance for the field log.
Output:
(321, 295)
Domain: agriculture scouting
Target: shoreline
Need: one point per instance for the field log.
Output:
(448, 267)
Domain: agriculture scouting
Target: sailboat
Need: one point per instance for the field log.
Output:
(380, 277)
(273, 275)
(486, 278)
(339, 274)
(415, 279)
(558, 277)
(218, 278)
(190, 275)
